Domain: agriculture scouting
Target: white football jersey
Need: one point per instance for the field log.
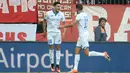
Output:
(53, 20)
(83, 21)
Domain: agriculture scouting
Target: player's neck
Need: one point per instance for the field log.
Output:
(79, 12)
(101, 26)
(55, 11)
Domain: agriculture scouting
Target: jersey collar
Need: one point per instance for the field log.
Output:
(54, 12)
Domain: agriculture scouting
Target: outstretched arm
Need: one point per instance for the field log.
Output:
(44, 28)
(44, 25)
(64, 28)
(70, 25)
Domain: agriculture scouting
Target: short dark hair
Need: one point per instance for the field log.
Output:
(102, 18)
(55, 3)
(79, 6)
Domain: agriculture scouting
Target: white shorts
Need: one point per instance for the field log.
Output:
(54, 38)
(83, 41)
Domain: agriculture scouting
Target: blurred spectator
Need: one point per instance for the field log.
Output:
(128, 1)
(92, 1)
(84, 1)
(104, 1)
(79, 1)
(100, 32)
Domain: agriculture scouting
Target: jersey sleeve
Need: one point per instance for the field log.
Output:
(63, 17)
(78, 17)
(46, 16)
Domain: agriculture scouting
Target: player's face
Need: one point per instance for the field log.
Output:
(103, 23)
(57, 7)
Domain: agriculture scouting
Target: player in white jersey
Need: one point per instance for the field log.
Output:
(52, 21)
(82, 43)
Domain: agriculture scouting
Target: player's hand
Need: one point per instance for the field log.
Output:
(44, 34)
(61, 27)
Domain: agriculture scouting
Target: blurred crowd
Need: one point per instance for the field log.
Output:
(104, 1)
